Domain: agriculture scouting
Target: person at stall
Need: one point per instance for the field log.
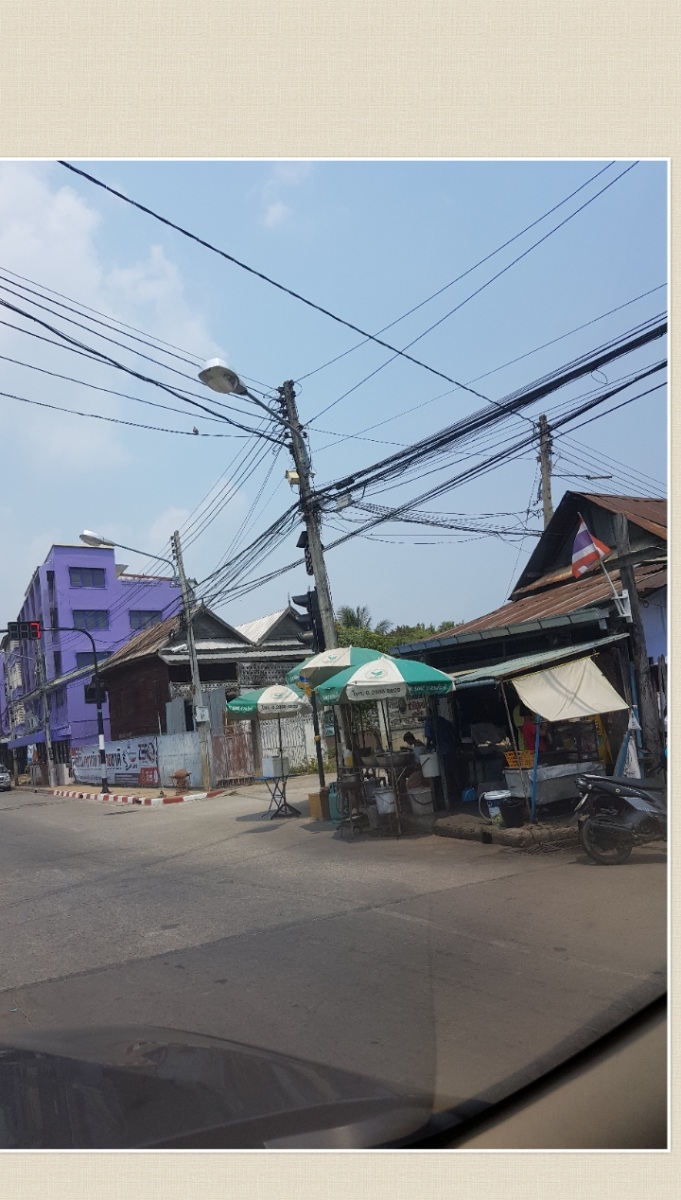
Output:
(529, 730)
(413, 743)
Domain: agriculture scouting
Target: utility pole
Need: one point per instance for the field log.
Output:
(648, 714)
(40, 667)
(199, 710)
(545, 446)
(310, 513)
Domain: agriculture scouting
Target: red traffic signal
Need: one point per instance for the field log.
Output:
(29, 631)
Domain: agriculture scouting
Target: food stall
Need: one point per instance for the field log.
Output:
(527, 727)
(372, 778)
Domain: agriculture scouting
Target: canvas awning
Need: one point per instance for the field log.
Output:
(508, 668)
(575, 689)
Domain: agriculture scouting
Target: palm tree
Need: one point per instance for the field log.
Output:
(360, 618)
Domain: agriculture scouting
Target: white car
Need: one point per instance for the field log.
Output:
(5, 780)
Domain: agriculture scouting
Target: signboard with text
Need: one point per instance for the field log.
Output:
(133, 762)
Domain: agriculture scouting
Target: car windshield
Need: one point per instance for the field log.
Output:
(334, 758)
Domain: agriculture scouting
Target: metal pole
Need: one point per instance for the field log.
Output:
(545, 445)
(202, 725)
(317, 741)
(310, 512)
(648, 715)
(98, 698)
(40, 663)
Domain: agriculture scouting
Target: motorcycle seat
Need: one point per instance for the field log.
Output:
(619, 785)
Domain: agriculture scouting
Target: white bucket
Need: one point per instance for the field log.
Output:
(429, 765)
(421, 801)
(385, 801)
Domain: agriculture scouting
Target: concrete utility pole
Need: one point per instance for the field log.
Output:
(647, 704)
(545, 446)
(310, 513)
(199, 710)
(40, 666)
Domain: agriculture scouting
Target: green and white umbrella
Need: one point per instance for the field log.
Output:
(384, 679)
(269, 703)
(322, 666)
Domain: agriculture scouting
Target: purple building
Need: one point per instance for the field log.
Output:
(82, 587)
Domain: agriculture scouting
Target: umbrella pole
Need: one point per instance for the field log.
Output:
(393, 773)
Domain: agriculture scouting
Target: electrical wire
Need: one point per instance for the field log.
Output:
(466, 300)
(98, 388)
(289, 291)
(130, 371)
(468, 271)
(116, 420)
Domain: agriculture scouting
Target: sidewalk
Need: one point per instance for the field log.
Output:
(298, 786)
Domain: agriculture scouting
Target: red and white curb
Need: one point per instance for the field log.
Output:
(145, 801)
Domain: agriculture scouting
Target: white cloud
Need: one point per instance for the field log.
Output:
(283, 178)
(61, 471)
(275, 214)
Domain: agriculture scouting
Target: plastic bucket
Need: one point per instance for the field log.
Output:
(385, 801)
(429, 765)
(513, 812)
(421, 801)
(494, 802)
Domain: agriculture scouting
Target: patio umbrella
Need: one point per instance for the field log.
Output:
(322, 666)
(264, 704)
(384, 679)
(273, 703)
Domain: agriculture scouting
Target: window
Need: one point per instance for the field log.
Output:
(85, 658)
(57, 662)
(142, 618)
(94, 577)
(91, 618)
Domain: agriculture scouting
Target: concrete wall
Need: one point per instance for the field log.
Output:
(179, 752)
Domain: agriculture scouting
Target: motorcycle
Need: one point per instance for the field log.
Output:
(616, 814)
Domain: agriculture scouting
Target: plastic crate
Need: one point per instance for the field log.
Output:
(517, 759)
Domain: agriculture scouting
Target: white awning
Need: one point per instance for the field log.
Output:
(576, 689)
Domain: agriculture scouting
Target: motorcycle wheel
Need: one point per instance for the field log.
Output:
(607, 852)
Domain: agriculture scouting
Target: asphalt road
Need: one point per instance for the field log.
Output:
(431, 963)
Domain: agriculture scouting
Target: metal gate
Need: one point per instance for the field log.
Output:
(297, 738)
(233, 754)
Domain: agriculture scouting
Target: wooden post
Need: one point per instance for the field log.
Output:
(647, 706)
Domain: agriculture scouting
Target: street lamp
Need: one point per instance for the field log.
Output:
(93, 539)
(220, 378)
(201, 719)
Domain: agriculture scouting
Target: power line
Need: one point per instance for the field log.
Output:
(468, 271)
(116, 420)
(130, 371)
(470, 297)
(281, 287)
(98, 388)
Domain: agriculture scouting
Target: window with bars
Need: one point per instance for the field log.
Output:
(91, 618)
(94, 577)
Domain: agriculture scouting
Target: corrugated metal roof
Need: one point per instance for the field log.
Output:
(527, 662)
(255, 630)
(568, 597)
(648, 512)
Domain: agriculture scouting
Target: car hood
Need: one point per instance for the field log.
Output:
(149, 1088)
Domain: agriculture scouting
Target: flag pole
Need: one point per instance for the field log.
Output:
(619, 604)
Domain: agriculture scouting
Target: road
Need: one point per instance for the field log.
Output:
(431, 963)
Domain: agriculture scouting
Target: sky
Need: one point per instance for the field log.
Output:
(368, 241)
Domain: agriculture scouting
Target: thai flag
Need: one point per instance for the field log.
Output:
(586, 550)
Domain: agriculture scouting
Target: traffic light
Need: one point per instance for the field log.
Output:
(311, 622)
(303, 544)
(27, 631)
